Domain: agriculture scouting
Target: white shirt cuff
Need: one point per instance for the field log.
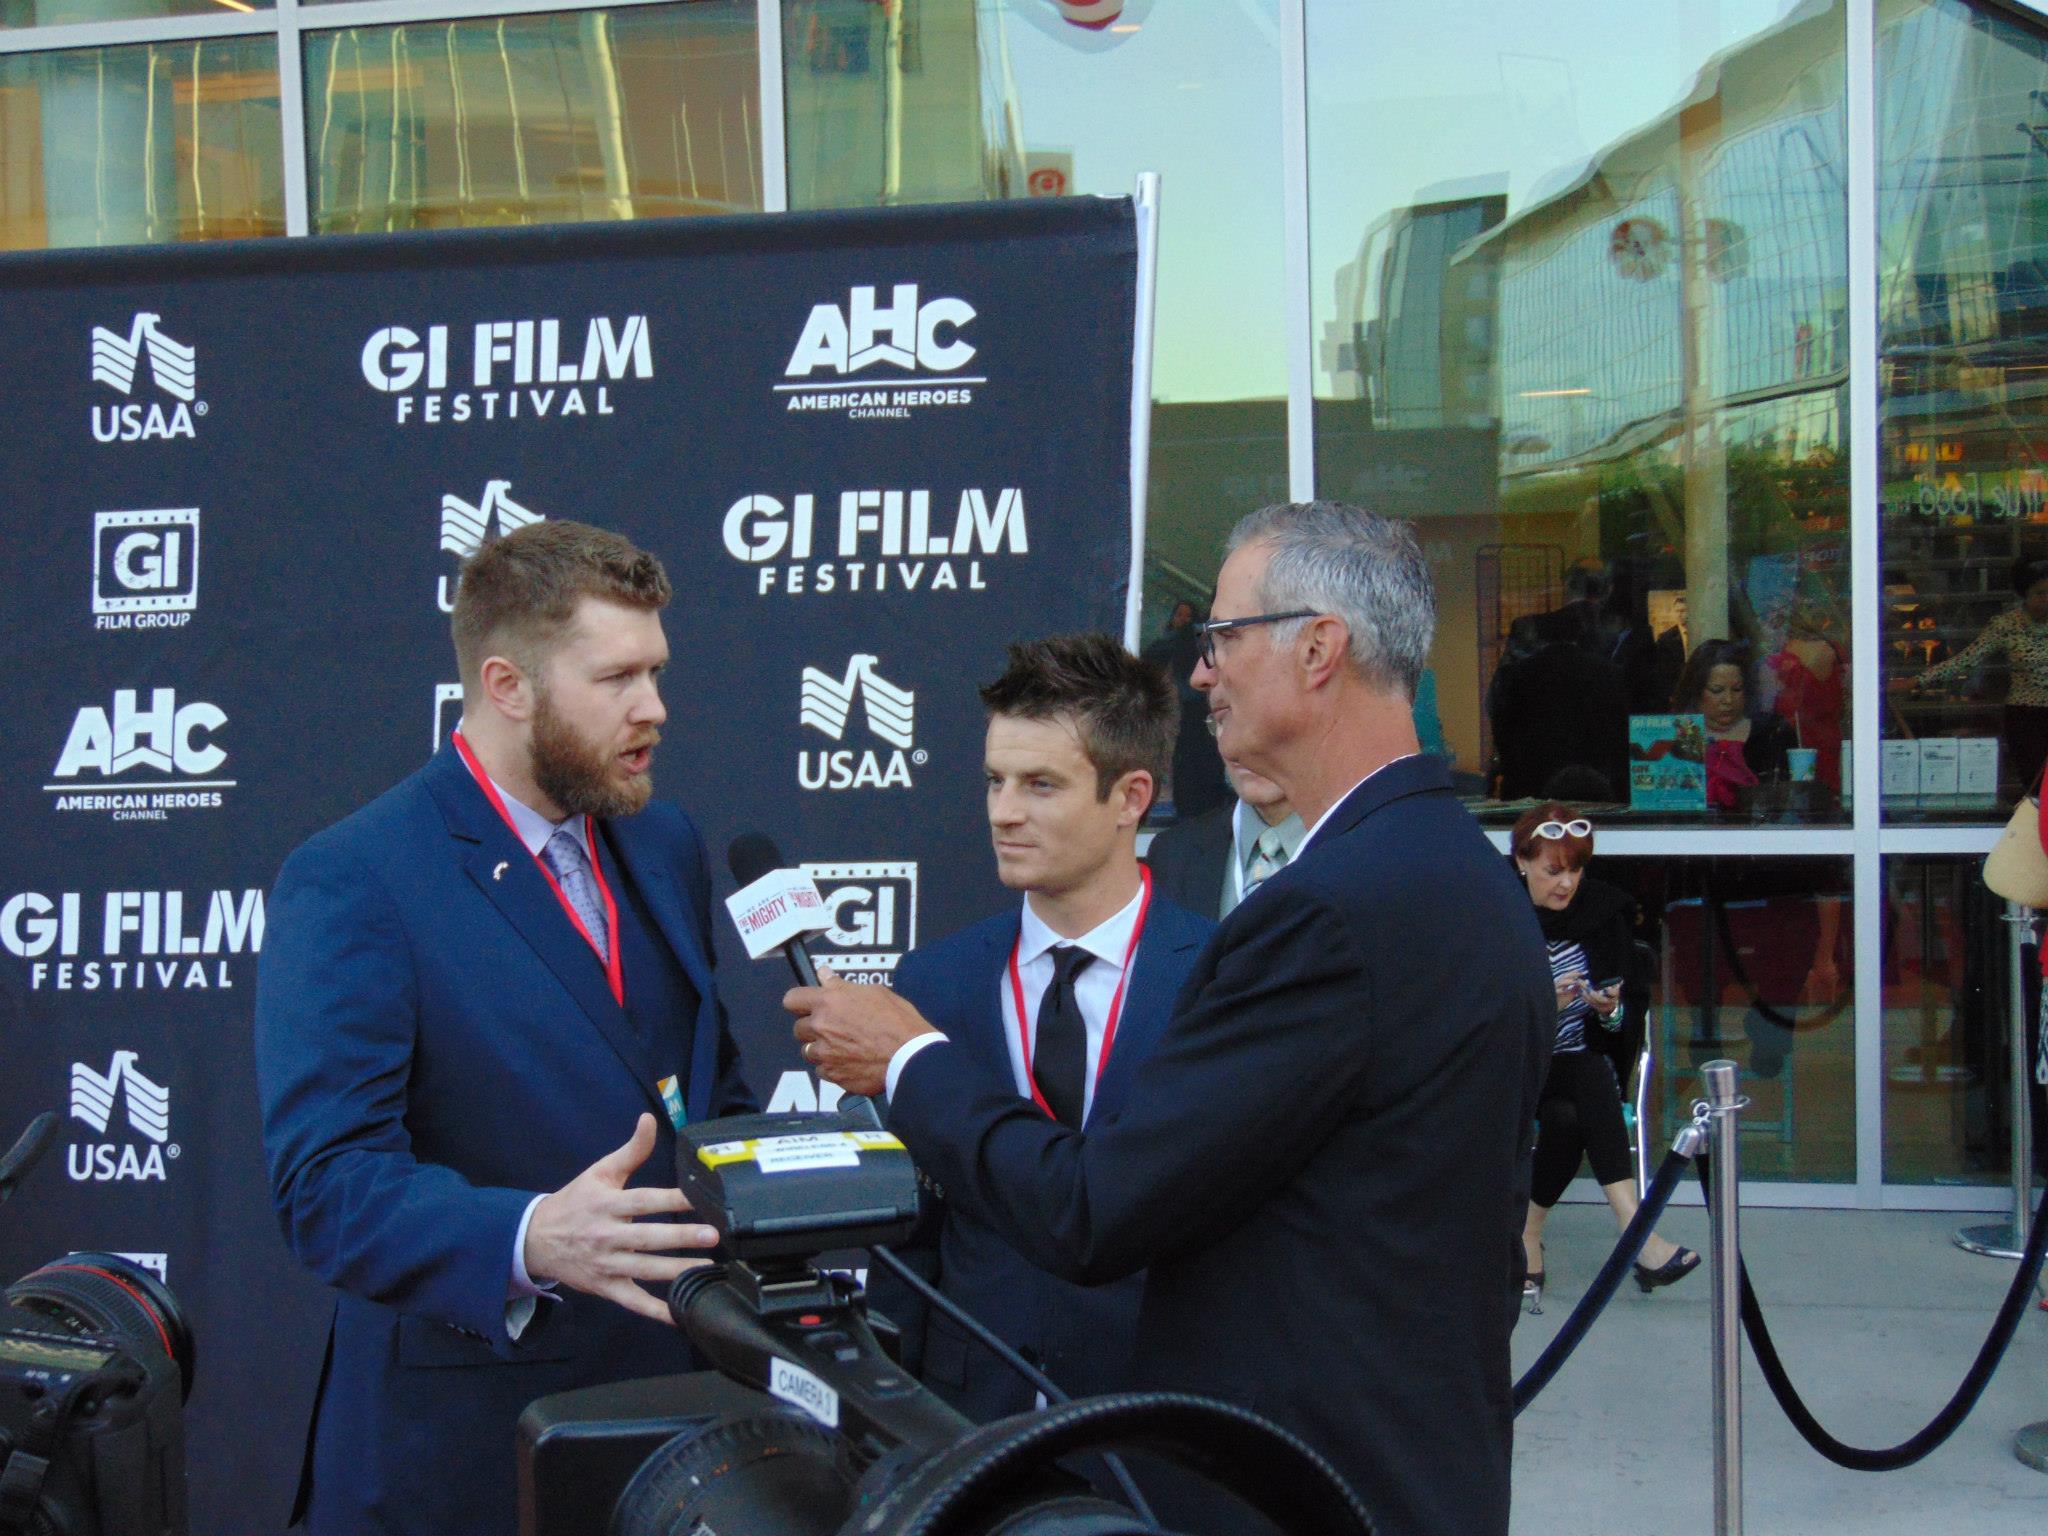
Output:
(521, 1292)
(901, 1059)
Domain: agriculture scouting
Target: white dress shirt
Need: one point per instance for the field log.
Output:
(1094, 989)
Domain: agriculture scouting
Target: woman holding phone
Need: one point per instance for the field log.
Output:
(1586, 926)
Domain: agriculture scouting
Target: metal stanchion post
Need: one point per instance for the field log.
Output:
(1722, 1105)
(2008, 1239)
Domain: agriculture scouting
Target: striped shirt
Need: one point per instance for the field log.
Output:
(1566, 958)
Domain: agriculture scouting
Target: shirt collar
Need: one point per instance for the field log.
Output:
(1108, 940)
(1246, 825)
(1383, 767)
(533, 828)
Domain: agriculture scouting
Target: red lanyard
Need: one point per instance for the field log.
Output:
(1116, 1005)
(613, 971)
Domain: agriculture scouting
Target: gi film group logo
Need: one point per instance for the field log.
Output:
(120, 362)
(873, 906)
(145, 569)
(103, 1101)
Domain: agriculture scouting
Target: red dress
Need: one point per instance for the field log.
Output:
(1815, 706)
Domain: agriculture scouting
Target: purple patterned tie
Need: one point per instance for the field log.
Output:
(565, 856)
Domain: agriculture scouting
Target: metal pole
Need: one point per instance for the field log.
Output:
(1723, 1104)
(2008, 1239)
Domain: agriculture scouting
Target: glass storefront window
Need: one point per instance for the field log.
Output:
(140, 144)
(1963, 370)
(1752, 960)
(1587, 326)
(65, 13)
(1948, 1025)
(644, 112)
(971, 100)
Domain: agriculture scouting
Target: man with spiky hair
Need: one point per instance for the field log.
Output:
(1061, 998)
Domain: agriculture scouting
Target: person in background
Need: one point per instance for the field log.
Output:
(1743, 749)
(1587, 930)
(2020, 635)
(1213, 861)
(1197, 782)
(1812, 675)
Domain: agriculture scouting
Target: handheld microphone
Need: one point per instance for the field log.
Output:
(27, 1151)
(753, 856)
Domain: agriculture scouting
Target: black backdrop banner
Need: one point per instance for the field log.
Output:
(870, 448)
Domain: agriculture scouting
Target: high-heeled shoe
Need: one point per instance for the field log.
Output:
(1670, 1272)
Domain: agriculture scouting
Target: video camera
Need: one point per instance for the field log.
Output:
(834, 1438)
(96, 1362)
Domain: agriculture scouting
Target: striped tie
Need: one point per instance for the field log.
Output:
(565, 856)
(1268, 857)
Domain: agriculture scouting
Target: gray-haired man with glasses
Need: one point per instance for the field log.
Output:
(1325, 1161)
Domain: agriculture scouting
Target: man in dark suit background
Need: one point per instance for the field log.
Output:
(1325, 1158)
(1211, 862)
(1079, 735)
(471, 992)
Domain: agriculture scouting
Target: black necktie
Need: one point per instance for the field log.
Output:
(1059, 1054)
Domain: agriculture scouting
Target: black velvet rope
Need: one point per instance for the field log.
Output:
(1605, 1284)
(1944, 1423)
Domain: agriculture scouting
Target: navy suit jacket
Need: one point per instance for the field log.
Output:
(1078, 1335)
(435, 1045)
(1324, 1159)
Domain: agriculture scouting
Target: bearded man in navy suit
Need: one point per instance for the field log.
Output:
(473, 991)
(1325, 1159)
(1062, 999)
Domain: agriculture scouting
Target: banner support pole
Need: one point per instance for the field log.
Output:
(1998, 1239)
(1145, 201)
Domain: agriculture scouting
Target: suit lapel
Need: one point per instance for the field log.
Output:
(989, 1036)
(1148, 1005)
(500, 866)
(1416, 775)
(652, 873)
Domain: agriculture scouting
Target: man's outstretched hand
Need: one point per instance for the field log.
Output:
(849, 1032)
(585, 1234)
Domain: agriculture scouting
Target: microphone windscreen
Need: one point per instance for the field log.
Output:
(752, 855)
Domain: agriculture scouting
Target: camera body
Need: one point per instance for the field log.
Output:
(92, 1433)
(828, 1435)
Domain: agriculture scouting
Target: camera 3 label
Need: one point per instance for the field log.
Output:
(794, 1384)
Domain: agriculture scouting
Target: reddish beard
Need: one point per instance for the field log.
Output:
(577, 774)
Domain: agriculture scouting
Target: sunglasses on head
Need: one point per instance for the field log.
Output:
(1557, 831)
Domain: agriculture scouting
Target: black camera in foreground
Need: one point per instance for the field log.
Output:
(809, 1428)
(95, 1366)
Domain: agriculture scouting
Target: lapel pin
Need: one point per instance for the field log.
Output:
(499, 872)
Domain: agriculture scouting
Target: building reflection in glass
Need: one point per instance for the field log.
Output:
(1610, 386)
(644, 112)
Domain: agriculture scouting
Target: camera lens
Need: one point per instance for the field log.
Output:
(106, 1295)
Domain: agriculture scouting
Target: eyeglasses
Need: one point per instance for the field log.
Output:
(1209, 629)
(1557, 831)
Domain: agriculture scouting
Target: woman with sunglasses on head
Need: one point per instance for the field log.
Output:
(1586, 926)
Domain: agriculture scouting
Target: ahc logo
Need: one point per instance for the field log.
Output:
(145, 568)
(826, 705)
(94, 1096)
(397, 361)
(166, 737)
(465, 529)
(173, 368)
(923, 339)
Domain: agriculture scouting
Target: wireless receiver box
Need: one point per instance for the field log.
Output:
(787, 1186)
